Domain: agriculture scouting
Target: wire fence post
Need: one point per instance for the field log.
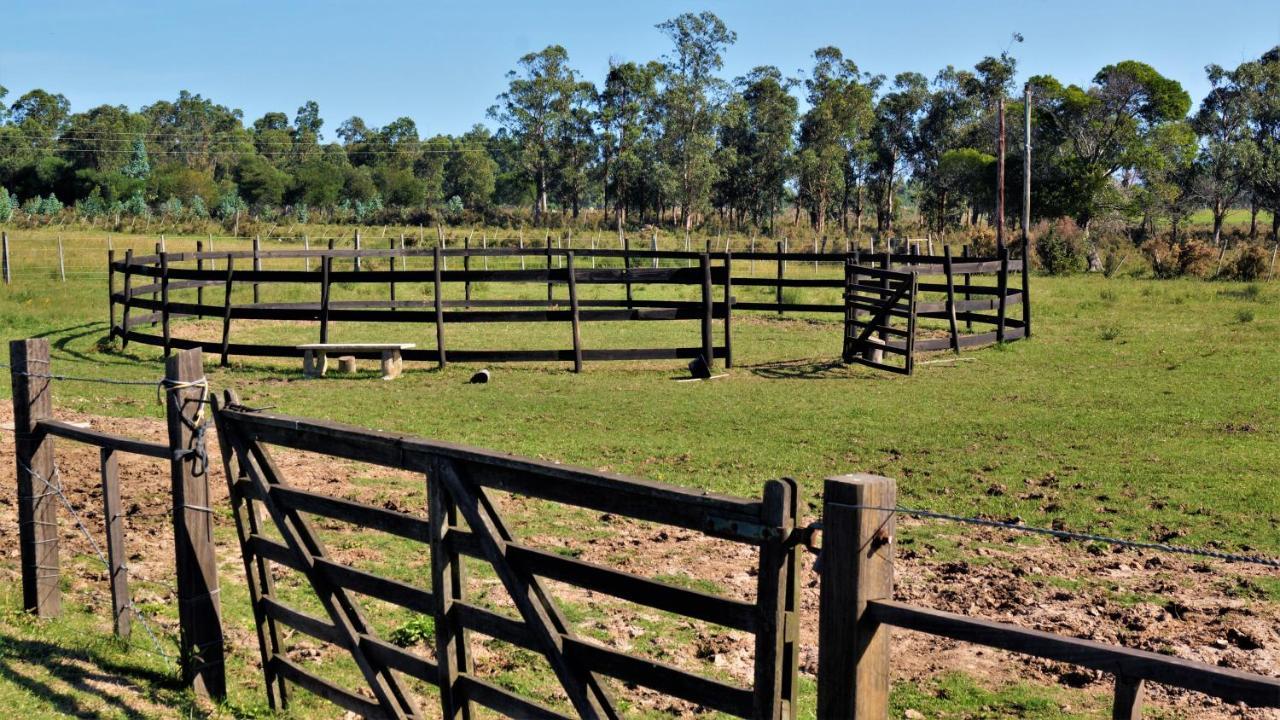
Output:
(199, 609)
(856, 567)
(37, 490)
(113, 517)
(4, 257)
(62, 261)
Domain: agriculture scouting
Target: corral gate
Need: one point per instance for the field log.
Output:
(879, 316)
(463, 520)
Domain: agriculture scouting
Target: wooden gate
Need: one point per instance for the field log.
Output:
(879, 316)
(463, 520)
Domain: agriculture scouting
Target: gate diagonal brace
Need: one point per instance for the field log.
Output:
(536, 607)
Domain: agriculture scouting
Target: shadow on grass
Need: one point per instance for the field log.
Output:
(89, 673)
(801, 370)
(63, 338)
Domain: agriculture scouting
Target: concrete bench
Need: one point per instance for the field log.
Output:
(315, 356)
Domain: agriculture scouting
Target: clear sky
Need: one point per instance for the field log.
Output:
(442, 64)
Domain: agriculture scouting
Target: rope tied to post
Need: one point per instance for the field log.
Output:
(196, 424)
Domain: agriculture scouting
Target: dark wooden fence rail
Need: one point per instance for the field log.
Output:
(40, 495)
(164, 278)
(463, 521)
(163, 274)
(857, 610)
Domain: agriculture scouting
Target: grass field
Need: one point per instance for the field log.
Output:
(1154, 404)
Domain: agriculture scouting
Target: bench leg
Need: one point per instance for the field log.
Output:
(390, 364)
(308, 364)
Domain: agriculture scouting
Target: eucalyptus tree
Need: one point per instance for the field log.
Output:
(1227, 153)
(1260, 80)
(624, 110)
(534, 110)
(470, 172)
(895, 139)
(1092, 134)
(771, 112)
(197, 132)
(690, 103)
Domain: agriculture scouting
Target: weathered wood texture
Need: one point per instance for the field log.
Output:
(38, 483)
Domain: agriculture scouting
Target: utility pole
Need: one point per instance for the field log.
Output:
(999, 219)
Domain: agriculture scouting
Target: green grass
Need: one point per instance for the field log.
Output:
(1156, 394)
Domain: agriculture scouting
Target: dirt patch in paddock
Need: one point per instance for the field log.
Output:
(1210, 612)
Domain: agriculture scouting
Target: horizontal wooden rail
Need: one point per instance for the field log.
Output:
(66, 430)
(1225, 683)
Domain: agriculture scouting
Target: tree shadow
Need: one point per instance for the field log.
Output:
(62, 339)
(68, 665)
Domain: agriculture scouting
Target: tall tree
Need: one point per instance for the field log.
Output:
(1260, 80)
(895, 138)
(535, 110)
(771, 120)
(624, 108)
(1227, 152)
(690, 102)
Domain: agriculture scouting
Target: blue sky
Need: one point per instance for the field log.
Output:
(442, 64)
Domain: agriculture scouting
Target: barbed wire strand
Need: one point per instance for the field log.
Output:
(1069, 535)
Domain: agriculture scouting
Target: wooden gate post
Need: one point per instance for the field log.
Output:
(708, 344)
(37, 501)
(857, 566)
(199, 609)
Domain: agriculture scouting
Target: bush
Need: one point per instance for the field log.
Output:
(1060, 251)
(198, 208)
(171, 208)
(136, 205)
(1250, 264)
(1173, 260)
(6, 206)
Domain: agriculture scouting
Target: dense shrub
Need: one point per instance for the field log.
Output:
(6, 205)
(1250, 264)
(1171, 259)
(1060, 250)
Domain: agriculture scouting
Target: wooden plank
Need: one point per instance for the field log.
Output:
(395, 523)
(226, 311)
(448, 580)
(857, 560)
(199, 608)
(104, 440)
(633, 588)
(575, 313)
(1127, 704)
(342, 698)
(1225, 683)
(664, 678)
(399, 659)
(38, 484)
(117, 570)
(436, 296)
(536, 608)
(302, 622)
(505, 702)
(771, 604)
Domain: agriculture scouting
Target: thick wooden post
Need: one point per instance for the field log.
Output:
(199, 609)
(548, 269)
(466, 272)
(449, 584)
(164, 302)
(439, 305)
(128, 298)
(1026, 209)
(968, 282)
(778, 287)
(155, 295)
(113, 517)
(111, 293)
(728, 309)
(951, 298)
(708, 349)
(38, 485)
(200, 268)
(326, 268)
(4, 257)
(391, 243)
(857, 567)
(1003, 283)
(573, 315)
(1127, 704)
(777, 592)
(626, 269)
(257, 264)
(226, 310)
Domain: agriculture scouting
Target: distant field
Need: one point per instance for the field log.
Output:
(1152, 406)
(1235, 219)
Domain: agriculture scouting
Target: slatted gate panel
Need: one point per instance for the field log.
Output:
(880, 317)
(464, 521)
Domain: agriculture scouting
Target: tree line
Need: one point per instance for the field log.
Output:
(672, 141)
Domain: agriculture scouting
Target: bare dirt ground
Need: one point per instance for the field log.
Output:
(1186, 608)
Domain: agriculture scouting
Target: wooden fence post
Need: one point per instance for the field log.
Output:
(448, 583)
(857, 566)
(439, 305)
(326, 269)
(1003, 284)
(728, 309)
(306, 248)
(155, 295)
(199, 609)
(62, 262)
(164, 302)
(1127, 702)
(1026, 286)
(4, 257)
(128, 298)
(38, 485)
(391, 243)
(113, 517)
(781, 269)
(355, 263)
(777, 593)
(200, 268)
(111, 294)
(466, 272)
(226, 310)
(257, 264)
(548, 269)
(968, 282)
(708, 349)
(573, 315)
(626, 268)
(951, 299)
